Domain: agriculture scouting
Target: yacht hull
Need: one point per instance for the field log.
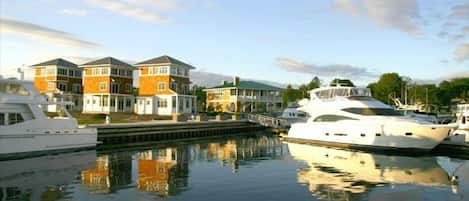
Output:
(26, 145)
(398, 137)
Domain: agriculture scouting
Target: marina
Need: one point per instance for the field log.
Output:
(256, 166)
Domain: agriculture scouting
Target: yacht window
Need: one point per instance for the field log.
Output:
(12, 88)
(331, 118)
(14, 118)
(2, 119)
(373, 111)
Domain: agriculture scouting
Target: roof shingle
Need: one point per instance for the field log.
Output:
(106, 61)
(249, 85)
(56, 62)
(165, 59)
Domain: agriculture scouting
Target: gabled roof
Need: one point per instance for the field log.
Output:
(165, 59)
(248, 85)
(56, 62)
(106, 61)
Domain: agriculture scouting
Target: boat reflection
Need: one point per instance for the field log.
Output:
(164, 170)
(42, 178)
(336, 174)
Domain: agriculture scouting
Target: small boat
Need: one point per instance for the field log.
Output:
(26, 130)
(347, 116)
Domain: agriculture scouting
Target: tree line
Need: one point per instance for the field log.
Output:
(394, 86)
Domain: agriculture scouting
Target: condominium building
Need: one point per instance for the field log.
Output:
(107, 86)
(59, 80)
(243, 96)
(164, 87)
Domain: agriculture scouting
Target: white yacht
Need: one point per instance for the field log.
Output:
(462, 120)
(26, 130)
(348, 116)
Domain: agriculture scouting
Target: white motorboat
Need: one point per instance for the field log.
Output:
(348, 116)
(462, 120)
(25, 129)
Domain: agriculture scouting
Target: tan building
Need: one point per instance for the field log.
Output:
(59, 80)
(243, 96)
(164, 87)
(107, 86)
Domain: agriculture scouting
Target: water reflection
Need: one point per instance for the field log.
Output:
(42, 178)
(164, 170)
(336, 174)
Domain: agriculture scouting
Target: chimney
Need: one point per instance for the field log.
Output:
(236, 81)
(223, 82)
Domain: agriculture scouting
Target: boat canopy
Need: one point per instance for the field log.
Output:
(333, 92)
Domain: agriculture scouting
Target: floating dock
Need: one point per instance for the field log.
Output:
(162, 131)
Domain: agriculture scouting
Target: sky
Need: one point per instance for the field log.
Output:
(284, 42)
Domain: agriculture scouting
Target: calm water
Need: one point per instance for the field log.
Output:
(239, 168)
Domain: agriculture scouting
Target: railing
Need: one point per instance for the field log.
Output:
(267, 121)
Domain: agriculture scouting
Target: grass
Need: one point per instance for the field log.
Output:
(115, 118)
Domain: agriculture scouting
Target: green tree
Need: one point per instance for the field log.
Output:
(388, 86)
(201, 97)
(290, 95)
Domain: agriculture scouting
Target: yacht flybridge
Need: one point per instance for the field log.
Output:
(26, 130)
(348, 116)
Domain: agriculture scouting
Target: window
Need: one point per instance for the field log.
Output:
(187, 103)
(331, 118)
(61, 71)
(113, 101)
(163, 70)
(104, 101)
(129, 73)
(115, 88)
(173, 71)
(122, 72)
(174, 86)
(104, 71)
(76, 88)
(161, 86)
(51, 86)
(71, 73)
(163, 103)
(128, 103)
(180, 71)
(62, 87)
(340, 134)
(373, 111)
(50, 71)
(2, 119)
(151, 70)
(148, 102)
(102, 86)
(128, 87)
(14, 118)
(233, 92)
(186, 72)
(114, 71)
(78, 74)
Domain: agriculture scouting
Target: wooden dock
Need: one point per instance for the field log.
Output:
(163, 131)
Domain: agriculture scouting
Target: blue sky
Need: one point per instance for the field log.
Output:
(277, 41)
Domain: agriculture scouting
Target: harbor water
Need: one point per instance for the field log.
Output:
(248, 167)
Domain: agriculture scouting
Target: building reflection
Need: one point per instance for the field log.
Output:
(111, 173)
(335, 174)
(164, 170)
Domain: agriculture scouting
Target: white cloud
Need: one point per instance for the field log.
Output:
(45, 34)
(75, 12)
(461, 53)
(129, 10)
(460, 11)
(157, 4)
(342, 70)
(398, 14)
